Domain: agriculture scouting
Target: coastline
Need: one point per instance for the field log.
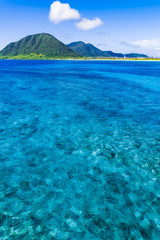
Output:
(82, 59)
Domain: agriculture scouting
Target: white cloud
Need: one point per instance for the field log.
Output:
(62, 12)
(87, 24)
(153, 44)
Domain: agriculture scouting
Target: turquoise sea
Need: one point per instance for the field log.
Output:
(79, 150)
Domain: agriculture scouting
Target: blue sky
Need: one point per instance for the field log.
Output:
(121, 26)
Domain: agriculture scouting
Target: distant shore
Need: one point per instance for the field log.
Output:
(82, 59)
(44, 57)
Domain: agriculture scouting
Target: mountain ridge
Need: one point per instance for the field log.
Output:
(40, 44)
(46, 46)
(89, 50)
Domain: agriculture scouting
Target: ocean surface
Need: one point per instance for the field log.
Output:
(79, 150)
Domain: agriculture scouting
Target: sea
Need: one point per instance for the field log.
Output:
(79, 150)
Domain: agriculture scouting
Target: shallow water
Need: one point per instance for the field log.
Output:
(79, 150)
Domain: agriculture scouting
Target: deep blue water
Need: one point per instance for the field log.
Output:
(79, 150)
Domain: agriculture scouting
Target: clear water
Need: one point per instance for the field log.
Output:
(79, 150)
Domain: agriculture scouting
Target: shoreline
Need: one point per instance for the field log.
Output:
(97, 59)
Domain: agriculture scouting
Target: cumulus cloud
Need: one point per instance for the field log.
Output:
(149, 44)
(62, 12)
(87, 24)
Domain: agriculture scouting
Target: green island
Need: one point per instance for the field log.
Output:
(44, 46)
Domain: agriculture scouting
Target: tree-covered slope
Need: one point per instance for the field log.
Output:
(88, 50)
(135, 55)
(44, 44)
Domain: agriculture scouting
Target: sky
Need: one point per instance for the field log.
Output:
(121, 26)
